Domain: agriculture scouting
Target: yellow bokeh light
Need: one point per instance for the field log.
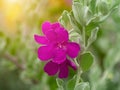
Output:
(11, 11)
(24, 11)
(11, 1)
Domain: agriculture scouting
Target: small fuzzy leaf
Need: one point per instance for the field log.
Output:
(60, 84)
(81, 13)
(93, 36)
(74, 35)
(103, 18)
(103, 7)
(82, 86)
(76, 26)
(93, 6)
(71, 83)
(86, 61)
(78, 12)
(64, 20)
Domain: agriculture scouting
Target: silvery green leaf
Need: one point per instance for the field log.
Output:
(74, 34)
(102, 18)
(71, 83)
(86, 61)
(82, 86)
(85, 2)
(93, 6)
(76, 37)
(90, 20)
(81, 13)
(93, 36)
(103, 7)
(76, 26)
(60, 84)
(79, 1)
(64, 20)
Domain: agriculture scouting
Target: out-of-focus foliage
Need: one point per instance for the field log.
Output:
(107, 72)
(19, 67)
(20, 20)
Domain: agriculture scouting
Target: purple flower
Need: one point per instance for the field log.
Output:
(62, 69)
(55, 44)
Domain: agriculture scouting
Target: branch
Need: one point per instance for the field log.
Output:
(13, 60)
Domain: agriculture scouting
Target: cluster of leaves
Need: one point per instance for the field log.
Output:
(107, 73)
(85, 21)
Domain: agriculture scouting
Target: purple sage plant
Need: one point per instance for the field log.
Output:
(56, 49)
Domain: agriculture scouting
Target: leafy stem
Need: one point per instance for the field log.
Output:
(83, 36)
(78, 74)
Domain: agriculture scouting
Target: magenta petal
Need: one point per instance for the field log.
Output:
(51, 68)
(59, 56)
(51, 36)
(63, 71)
(56, 25)
(40, 39)
(72, 64)
(73, 49)
(45, 52)
(62, 35)
(46, 26)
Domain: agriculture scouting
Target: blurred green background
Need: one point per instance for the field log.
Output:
(20, 68)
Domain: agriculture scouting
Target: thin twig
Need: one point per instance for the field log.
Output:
(13, 60)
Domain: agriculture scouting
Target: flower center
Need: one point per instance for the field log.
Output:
(61, 45)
